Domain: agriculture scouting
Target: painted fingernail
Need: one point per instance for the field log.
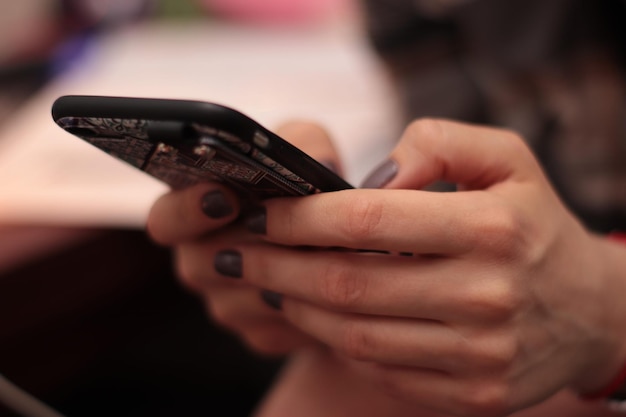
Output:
(228, 263)
(272, 299)
(382, 175)
(215, 205)
(257, 220)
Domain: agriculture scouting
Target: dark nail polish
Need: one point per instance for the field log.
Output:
(272, 299)
(215, 205)
(228, 263)
(382, 175)
(257, 220)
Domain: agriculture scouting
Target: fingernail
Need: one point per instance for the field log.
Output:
(257, 220)
(215, 205)
(272, 299)
(382, 175)
(228, 263)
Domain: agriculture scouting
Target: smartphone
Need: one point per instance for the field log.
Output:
(184, 142)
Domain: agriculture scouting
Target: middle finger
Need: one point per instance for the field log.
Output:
(441, 289)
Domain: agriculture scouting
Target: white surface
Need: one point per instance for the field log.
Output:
(327, 75)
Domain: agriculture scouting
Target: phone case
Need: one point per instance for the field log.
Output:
(184, 142)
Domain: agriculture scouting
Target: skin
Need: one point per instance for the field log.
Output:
(177, 220)
(318, 382)
(506, 300)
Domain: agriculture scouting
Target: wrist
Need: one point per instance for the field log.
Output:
(612, 371)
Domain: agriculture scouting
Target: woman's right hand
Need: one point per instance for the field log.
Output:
(199, 221)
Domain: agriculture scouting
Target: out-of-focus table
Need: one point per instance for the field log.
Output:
(90, 312)
(326, 74)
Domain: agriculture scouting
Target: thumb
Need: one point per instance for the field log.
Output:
(314, 141)
(471, 156)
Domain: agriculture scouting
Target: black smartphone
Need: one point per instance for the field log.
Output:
(184, 142)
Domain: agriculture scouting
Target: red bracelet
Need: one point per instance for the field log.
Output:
(620, 379)
(609, 389)
(619, 236)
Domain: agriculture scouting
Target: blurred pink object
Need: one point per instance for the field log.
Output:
(277, 11)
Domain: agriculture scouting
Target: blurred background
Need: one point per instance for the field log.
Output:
(41, 38)
(92, 320)
(273, 60)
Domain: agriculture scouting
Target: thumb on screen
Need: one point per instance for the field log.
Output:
(473, 157)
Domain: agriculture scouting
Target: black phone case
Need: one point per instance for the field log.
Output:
(183, 142)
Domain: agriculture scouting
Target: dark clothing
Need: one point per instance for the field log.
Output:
(555, 71)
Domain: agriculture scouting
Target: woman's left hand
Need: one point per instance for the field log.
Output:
(491, 298)
(197, 221)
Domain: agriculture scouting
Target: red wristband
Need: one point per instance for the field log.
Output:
(609, 389)
(619, 236)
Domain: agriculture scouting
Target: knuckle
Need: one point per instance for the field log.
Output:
(496, 301)
(515, 144)
(493, 353)
(504, 354)
(364, 219)
(425, 129)
(485, 399)
(340, 285)
(502, 232)
(427, 133)
(357, 342)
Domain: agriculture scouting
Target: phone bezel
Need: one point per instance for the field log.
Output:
(208, 114)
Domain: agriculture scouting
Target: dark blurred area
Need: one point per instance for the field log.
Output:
(551, 71)
(93, 322)
(101, 328)
(40, 37)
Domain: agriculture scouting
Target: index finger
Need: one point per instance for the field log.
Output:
(402, 218)
(410, 221)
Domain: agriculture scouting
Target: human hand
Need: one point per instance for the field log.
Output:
(506, 299)
(317, 382)
(200, 220)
